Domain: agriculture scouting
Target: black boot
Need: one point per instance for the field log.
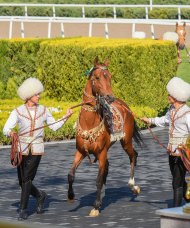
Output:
(40, 197)
(26, 188)
(178, 195)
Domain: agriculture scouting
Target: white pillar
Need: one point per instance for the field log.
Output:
(150, 4)
(25, 11)
(10, 29)
(114, 13)
(49, 29)
(106, 31)
(83, 12)
(133, 29)
(54, 15)
(90, 30)
(179, 13)
(22, 29)
(62, 30)
(152, 31)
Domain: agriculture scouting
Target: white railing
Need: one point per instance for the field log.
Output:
(147, 8)
(90, 22)
(83, 19)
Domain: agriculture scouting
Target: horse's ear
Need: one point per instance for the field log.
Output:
(176, 24)
(184, 24)
(96, 61)
(106, 62)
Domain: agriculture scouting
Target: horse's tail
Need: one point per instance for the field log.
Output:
(137, 136)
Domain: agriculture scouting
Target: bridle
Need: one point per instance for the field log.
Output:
(91, 73)
(95, 97)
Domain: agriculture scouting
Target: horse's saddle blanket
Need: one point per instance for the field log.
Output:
(114, 122)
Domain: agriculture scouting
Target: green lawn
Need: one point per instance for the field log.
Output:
(184, 67)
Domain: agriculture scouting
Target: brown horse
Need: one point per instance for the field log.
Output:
(95, 128)
(179, 38)
(180, 30)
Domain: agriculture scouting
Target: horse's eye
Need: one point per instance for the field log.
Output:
(97, 77)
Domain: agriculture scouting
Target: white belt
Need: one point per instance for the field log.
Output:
(177, 140)
(30, 139)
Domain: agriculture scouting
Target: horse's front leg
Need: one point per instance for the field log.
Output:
(178, 56)
(101, 179)
(71, 175)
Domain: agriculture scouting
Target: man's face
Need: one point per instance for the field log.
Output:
(171, 99)
(35, 99)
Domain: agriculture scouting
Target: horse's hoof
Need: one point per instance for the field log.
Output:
(94, 213)
(131, 182)
(136, 189)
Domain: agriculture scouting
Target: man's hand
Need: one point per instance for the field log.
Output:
(68, 113)
(145, 120)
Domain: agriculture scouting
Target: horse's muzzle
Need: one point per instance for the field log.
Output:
(181, 46)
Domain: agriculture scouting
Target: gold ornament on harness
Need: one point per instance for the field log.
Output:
(89, 108)
(186, 208)
(92, 134)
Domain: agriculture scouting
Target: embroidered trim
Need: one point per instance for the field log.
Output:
(32, 126)
(92, 134)
(26, 117)
(31, 139)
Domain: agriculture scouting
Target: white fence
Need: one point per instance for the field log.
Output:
(147, 8)
(90, 21)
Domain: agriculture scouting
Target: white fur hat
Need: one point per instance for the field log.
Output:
(178, 89)
(29, 88)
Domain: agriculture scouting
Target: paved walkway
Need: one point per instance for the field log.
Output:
(120, 207)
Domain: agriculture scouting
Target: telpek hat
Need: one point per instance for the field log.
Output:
(29, 88)
(178, 89)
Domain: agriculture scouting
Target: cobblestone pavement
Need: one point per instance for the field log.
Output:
(120, 207)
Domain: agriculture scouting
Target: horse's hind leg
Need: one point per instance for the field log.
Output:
(128, 147)
(71, 175)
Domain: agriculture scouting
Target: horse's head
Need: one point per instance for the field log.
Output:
(180, 30)
(101, 79)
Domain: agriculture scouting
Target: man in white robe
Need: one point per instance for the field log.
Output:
(28, 117)
(178, 120)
